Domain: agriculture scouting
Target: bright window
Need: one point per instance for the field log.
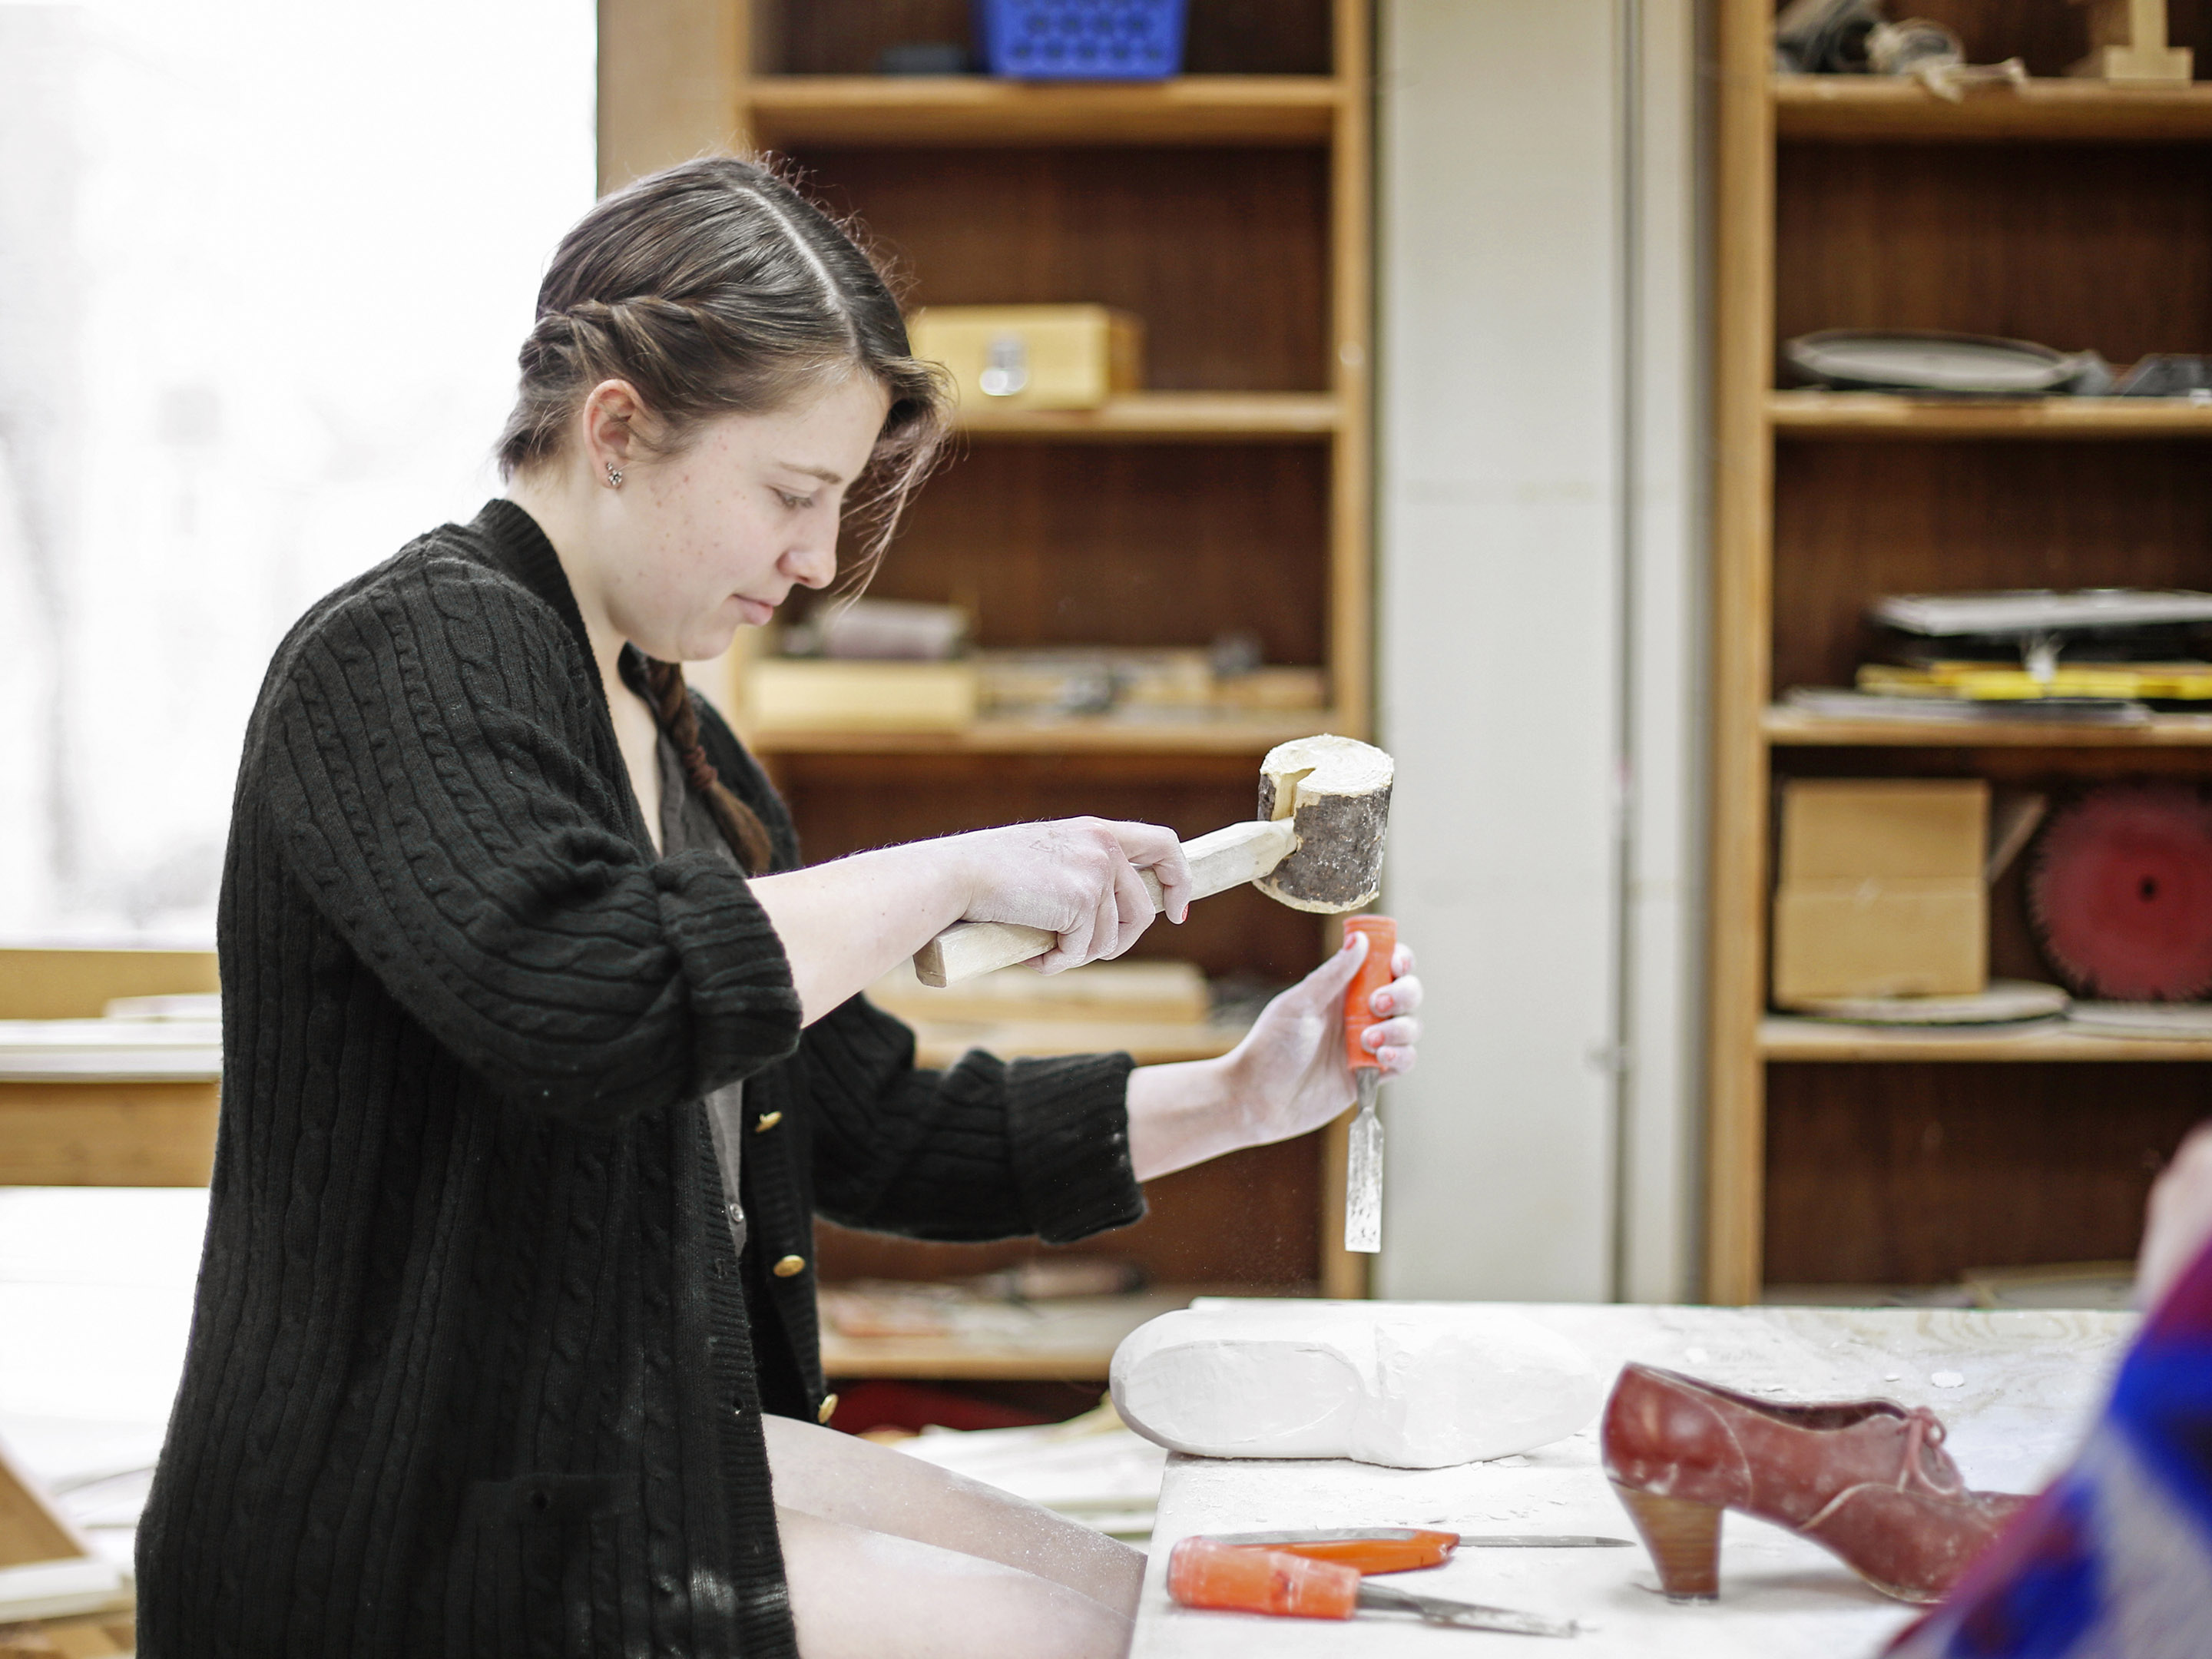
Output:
(263, 268)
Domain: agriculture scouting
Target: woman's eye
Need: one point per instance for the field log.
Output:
(794, 502)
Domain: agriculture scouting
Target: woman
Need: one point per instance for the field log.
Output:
(542, 1049)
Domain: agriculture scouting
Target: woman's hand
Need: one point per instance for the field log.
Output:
(844, 925)
(1076, 877)
(1287, 1077)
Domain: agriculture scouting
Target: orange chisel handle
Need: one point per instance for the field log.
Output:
(1422, 1548)
(1204, 1573)
(1374, 974)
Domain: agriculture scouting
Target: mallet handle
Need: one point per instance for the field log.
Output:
(1227, 858)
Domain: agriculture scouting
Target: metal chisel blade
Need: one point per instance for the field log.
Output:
(1467, 1615)
(1362, 1175)
(1539, 1541)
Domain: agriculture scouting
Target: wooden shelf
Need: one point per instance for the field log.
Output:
(1787, 728)
(1100, 735)
(1782, 1037)
(960, 109)
(1883, 415)
(940, 1042)
(1859, 107)
(1171, 416)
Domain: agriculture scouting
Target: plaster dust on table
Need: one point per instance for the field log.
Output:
(2033, 1381)
(1411, 1385)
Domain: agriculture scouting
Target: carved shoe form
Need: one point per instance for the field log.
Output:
(1867, 1479)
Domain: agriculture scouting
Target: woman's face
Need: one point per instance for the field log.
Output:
(718, 534)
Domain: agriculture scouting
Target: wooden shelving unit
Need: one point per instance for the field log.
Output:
(1100, 735)
(1854, 109)
(1195, 109)
(1786, 728)
(1781, 1037)
(1168, 417)
(1229, 208)
(1856, 415)
(2066, 211)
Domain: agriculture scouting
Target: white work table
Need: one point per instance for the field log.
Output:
(2027, 1385)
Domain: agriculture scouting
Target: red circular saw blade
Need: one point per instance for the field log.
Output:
(2120, 893)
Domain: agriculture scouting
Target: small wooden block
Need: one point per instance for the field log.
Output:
(2129, 45)
(95, 1636)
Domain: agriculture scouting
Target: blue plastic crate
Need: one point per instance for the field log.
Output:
(1081, 39)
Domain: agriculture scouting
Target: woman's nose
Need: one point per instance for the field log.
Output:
(812, 565)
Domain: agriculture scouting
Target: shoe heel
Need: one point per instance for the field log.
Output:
(1685, 1541)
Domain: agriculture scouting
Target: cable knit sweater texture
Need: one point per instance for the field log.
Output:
(474, 1369)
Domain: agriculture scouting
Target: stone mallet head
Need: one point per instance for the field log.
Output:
(1316, 846)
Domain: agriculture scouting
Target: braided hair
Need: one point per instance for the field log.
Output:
(678, 717)
(715, 287)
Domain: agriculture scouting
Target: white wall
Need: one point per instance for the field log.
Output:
(1537, 596)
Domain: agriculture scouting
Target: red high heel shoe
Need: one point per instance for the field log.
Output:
(1867, 1479)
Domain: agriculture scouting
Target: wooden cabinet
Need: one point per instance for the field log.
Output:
(1229, 209)
(2066, 211)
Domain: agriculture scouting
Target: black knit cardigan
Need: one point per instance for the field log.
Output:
(474, 1368)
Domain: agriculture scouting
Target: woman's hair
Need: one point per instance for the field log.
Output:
(714, 288)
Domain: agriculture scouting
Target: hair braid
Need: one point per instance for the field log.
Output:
(679, 719)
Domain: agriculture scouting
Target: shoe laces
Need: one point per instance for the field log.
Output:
(1924, 1432)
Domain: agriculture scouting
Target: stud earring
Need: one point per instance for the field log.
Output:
(614, 476)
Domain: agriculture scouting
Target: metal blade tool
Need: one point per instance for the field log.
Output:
(1403, 1549)
(1204, 1572)
(1363, 1178)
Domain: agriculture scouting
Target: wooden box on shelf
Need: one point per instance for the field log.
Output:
(1004, 357)
(2077, 213)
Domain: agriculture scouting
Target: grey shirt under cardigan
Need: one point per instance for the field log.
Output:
(476, 1367)
(688, 826)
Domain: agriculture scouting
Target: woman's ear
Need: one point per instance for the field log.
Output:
(612, 416)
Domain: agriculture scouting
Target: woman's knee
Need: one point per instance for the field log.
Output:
(862, 1594)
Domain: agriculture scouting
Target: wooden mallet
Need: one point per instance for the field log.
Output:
(1316, 845)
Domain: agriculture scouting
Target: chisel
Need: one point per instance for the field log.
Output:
(1202, 1573)
(1362, 1175)
(1402, 1549)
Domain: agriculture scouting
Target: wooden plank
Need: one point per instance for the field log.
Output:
(1231, 734)
(1162, 416)
(1863, 108)
(51, 984)
(1787, 728)
(1239, 109)
(106, 1134)
(1743, 458)
(670, 80)
(1782, 1037)
(1352, 301)
(1879, 415)
(31, 1530)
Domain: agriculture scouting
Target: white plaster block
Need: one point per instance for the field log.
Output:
(1407, 1384)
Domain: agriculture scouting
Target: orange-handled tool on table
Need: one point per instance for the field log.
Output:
(1232, 1579)
(1363, 1174)
(1364, 1549)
